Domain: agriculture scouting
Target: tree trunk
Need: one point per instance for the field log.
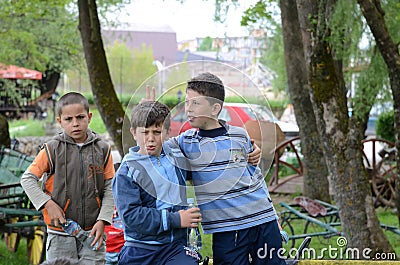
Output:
(50, 81)
(103, 90)
(4, 134)
(316, 184)
(341, 142)
(373, 14)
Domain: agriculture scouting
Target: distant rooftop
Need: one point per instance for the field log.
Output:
(143, 27)
(161, 38)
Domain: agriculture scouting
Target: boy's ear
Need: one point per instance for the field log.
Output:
(216, 108)
(133, 132)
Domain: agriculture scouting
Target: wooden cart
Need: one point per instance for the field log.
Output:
(18, 218)
(379, 162)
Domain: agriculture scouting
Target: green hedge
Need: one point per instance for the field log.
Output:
(385, 126)
(172, 101)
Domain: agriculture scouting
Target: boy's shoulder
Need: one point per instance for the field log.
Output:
(235, 129)
(95, 140)
(189, 133)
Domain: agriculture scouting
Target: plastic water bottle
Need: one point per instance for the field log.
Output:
(194, 237)
(74, 229)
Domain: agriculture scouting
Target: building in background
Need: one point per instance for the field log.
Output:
(161, 38)
(242, 53)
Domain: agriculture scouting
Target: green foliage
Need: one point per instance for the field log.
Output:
(142, 66)
(39, 35)
(385, 126)
(274, 59)
(120, 61)
(222, 8)
(256, 14)
(128, 69)
(206, 44)
(370, 83)
(97, 124)
(347, 28)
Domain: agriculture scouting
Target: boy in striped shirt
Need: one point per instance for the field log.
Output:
(231, 193)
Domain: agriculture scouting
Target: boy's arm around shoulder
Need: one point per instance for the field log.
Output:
(136, 214)
(107, 203)
(30, 179)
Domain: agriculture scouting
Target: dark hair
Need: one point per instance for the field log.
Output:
(208, 85)
(150, 113)
(71, 98)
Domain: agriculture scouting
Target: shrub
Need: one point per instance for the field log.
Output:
(385, 126)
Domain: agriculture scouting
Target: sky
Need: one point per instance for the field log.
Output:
(190, 19)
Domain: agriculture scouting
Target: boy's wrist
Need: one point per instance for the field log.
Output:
(103, 221)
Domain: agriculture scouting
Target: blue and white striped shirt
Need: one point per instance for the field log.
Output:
(230, 192)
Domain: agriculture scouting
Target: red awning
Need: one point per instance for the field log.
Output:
(15, 72)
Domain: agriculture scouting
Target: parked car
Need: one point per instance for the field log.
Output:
(259, 121)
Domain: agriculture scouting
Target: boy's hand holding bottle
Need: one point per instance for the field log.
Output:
(85, 237)
(194, 240)
(190, 217)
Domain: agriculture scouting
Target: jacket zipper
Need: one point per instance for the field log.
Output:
(83, 187)
(236, 235)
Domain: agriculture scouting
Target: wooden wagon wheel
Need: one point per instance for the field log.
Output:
(37, 245)
(381, 168)
(383, 180)
(12, 238)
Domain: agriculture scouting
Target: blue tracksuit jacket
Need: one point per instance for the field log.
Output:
(148, 192)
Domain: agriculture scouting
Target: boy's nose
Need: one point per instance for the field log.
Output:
(150, 138)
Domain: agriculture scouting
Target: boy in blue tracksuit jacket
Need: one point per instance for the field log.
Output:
(150, 194)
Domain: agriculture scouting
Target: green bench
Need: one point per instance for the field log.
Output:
(12, 165)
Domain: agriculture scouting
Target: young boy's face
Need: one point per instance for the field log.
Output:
(201, 114)
(150, 139)
(74, 119)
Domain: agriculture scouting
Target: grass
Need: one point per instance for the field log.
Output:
(20, 257)
(387, 217)
(322, 244)
(22, 128)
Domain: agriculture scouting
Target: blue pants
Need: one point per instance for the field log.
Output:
(257, 245)
(168, 254)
